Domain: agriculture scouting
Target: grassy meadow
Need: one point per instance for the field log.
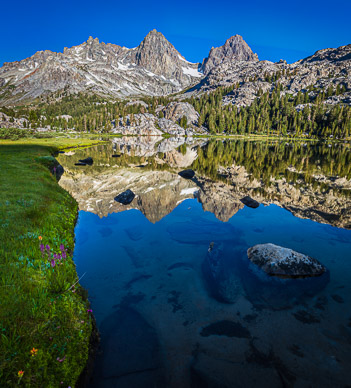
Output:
(45, 318)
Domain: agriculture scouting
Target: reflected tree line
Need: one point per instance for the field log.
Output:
(295, 161)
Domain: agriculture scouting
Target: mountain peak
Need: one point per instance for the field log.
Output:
(155, 35)
(234, 49)
(92, 40)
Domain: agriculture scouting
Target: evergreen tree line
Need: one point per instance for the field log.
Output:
(272, 113)
(88, 113)
(275, 113)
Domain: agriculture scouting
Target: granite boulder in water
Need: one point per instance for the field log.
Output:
(284, 262)
(125, 198)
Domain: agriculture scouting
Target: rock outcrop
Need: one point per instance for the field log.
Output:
(142, 124)
(174, 111)
(284, 262)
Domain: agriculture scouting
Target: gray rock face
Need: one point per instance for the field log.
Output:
(12, 122)
(342, 53)
(234, 49)
(148, 124)
(159, 56)
(326, 68)
(284, 262)
(155, 67)
(174, 111)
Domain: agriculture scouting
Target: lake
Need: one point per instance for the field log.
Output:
(165, 319)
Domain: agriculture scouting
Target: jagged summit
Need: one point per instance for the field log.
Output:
(91, 40)
(234, 49)
(155, 67)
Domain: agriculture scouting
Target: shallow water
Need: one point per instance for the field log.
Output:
(165, 322)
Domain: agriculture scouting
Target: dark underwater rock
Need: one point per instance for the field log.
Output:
(88, 161)
(131, 354)
(226, 328)
(210, 371)
(284, 262)
(125, 198)
(220, 270)
(306, 317)
(250, 202)
(187, 174)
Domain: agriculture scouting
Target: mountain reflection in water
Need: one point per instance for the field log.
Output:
(310, 180)
(162, 316)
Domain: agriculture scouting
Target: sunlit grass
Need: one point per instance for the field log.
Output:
(39, 307)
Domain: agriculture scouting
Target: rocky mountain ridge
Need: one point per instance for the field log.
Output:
(327, 68)
(156, 68)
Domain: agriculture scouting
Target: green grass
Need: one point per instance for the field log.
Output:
(39, 306)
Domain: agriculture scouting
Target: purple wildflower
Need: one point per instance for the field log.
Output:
(53, 263)
(42, 248)
(62, 248)
(89, 311)
(64, 255)
(48, 248)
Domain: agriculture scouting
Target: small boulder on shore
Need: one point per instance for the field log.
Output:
(284, 262)
(125, 198)
(187, 174)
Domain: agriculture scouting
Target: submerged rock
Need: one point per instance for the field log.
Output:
(226, 328)
(221, 273)
(284, 262)
(187, 174)
(210, 371)
(131, 353)
(125, 198)
(88, 161)
(250, 202)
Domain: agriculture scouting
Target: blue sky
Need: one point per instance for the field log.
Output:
(273, 29)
